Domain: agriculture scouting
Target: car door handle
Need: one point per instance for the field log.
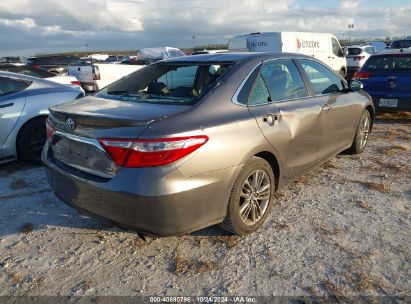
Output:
(270, 118)
(326, 107)
(392, 78)
(7, 105)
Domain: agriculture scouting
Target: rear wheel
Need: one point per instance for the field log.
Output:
(362, 134)
(31, 139)
(250, 198)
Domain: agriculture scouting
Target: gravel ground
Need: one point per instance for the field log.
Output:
(342, 230)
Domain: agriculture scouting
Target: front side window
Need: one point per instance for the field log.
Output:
(9, 85)
(336, 48)
(283, 80)
(167, 83)
(323, 80)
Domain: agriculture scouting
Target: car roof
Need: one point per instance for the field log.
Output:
(19, 76)
(231, 57)
(394, 52)
(360, 46)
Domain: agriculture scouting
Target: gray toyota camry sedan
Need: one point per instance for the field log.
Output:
(194, 141)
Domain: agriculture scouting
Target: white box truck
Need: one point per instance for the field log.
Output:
(322, 46)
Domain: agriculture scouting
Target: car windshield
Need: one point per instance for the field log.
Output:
(354, 51)
(167, 83)
(389, 62)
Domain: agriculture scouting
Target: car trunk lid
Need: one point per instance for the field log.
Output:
(78, 125)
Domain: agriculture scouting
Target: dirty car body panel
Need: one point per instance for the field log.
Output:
(192, 191)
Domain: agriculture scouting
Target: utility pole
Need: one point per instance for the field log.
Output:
(350, 28)
(194, 38)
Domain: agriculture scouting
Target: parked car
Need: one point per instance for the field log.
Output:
(323, 46)
(55, 64)
(24, 103)
(95, 76)
(403, 43)
(11, 60)
(357, 55)
(166, 159)
(25, 70)
(387, 78)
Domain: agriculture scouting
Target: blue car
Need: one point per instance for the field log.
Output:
(387, 78)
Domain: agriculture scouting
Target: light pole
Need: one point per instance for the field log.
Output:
(350, 28)
(194, 38)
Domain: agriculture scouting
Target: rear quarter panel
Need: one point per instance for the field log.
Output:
(35, 106)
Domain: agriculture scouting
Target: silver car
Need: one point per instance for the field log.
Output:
(24, 103)
(189, 142)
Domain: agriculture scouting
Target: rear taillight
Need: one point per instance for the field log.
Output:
(359, 58)
(50, 131)
(151, 152)
(360, 75)
(77, 83)
(96, 72)
(36, 66)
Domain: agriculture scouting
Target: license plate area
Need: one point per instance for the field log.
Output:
(388, 102)
(83, 156)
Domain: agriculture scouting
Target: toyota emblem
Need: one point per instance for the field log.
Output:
(70, 123)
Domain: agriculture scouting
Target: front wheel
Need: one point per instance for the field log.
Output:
(250, 198)
(362, 134)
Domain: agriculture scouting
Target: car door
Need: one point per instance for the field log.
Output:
(11, 105)
(286, 115)
(339, 113)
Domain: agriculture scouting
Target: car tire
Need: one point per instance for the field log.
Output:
(31, 139)
(250, 198)
(362, 134)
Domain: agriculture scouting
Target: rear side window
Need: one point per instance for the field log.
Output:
(9, 85)
(259, 93)
(396, 62)
(322, 79)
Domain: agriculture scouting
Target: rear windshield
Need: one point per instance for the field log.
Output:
(389, 62)
(167, 83)
(354, 51)
(401, 44)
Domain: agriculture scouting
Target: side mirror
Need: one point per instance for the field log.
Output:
(356, 85)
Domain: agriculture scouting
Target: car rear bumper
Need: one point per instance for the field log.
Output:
(404, 103)
(156, 201)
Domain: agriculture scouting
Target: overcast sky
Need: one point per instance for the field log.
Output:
(28, 27)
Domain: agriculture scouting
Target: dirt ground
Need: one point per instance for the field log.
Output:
(343, 230)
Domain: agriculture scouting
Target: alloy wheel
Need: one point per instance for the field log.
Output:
(364, 131)
(254, 197)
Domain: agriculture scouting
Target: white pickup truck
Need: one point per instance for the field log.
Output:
(95, 76)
